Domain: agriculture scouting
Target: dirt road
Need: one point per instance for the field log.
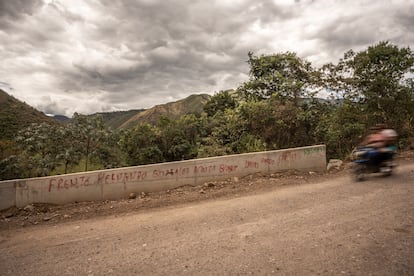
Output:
(327, 227)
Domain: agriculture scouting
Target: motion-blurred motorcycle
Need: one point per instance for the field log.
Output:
(371, 160)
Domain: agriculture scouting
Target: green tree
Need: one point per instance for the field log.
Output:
(179, 138)
(228, 133)
(91, 135)
(285, 74)
(110, 154)
(260, 122)
(220, 102)
(379, 80)
(340, 127)
(9, 165)
(11, 168)
(8, 148)
(218, 137)
(39, 148)
(70, 151)
(141, 145)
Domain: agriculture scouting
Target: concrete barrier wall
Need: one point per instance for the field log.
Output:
(7, 194)
(119, 183)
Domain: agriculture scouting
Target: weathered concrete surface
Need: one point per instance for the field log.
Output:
(118, 183)
(7, 194)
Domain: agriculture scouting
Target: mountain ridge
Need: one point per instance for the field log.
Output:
(173, 110)
(16, 115)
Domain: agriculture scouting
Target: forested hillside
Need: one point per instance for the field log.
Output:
(16, 115)
(191, 105)
(278, 107)
(116, 119)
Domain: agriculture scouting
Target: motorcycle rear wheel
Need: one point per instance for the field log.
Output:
(359, 172)
(386, 171)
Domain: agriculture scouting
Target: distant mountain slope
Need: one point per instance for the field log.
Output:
(173, 110)
(61, 118)
(16, 115)
(117, 118)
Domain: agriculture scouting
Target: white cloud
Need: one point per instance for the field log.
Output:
(101, 55)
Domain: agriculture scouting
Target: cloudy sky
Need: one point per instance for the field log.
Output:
(86, 56)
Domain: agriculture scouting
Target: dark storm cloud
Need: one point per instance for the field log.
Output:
(5, 86)
(367, 25)
(346, 32)
(16, 8)
(169, 46)
(102, 55)
(11, 11)
(405, 20)
(199, 24)
(406, 16)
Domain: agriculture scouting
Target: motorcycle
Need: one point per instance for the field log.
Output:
(370, 160)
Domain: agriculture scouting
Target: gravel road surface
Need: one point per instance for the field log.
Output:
(324, 226)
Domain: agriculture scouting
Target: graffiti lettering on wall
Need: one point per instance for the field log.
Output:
(251, 164)
(123, 177)
(61, 183)
(228, 168)
(171, 172)
(204, 169)
(287, 156)
(310, 151)
(268, 161)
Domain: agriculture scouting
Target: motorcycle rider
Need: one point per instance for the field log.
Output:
(375, 139)
(390, 138)
(375, 153)
(380, 144)
(390, 141)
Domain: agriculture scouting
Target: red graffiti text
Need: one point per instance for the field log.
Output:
(228, 168)
(251, 164)
(268, 161)
(171, 172)
(60, 183)
(287, 156)
(123, 177)
(204, 169)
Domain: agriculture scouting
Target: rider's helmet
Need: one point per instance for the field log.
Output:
(390, 133)
(390, 136)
